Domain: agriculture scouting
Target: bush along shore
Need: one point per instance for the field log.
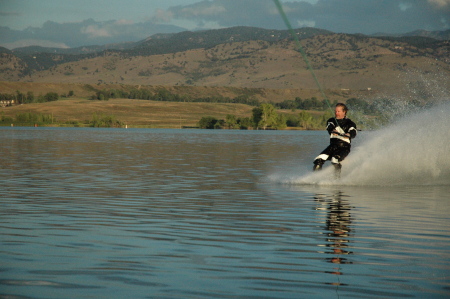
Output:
(39, 120)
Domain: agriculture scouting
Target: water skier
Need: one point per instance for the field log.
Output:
(342, 130)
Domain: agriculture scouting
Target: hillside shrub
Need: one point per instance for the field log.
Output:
(105, 121)
(51, 96)
(208, 122)
(37, 118)
(5, 119)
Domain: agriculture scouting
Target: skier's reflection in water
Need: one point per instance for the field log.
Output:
(338, 228)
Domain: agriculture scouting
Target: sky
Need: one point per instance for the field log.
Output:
(70, 23)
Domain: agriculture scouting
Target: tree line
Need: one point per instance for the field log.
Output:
(163, 94)
(29, 97)
(28, 118)
(97, 121)
(367, 115)
(265, 117)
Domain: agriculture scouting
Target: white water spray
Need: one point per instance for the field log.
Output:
(413, 151)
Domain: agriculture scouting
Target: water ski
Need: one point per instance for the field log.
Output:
(337, 169)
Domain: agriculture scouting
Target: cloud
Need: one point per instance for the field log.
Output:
(123, 22)
(108, 29)
(87, 32)
(9, 14)
(34, 42)
(201, 11)
(227, 13)
(440, 3)
(94, 31)
(349, 16)
(306, 23)
(404, 6)
(162, 16)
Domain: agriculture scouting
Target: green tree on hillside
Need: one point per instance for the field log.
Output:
(20, 97)
(281, 122)
(305, 120)
(231, 121)
(265, 116)
(244, 123)
(207, 122)
(29, 117)
(105, 121)
(51, 96)
(30, 97)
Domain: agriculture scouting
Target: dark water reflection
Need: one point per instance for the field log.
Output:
(192, 214)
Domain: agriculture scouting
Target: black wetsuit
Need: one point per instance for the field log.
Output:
(340, 145)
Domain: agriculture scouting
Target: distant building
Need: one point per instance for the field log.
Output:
(5, 103)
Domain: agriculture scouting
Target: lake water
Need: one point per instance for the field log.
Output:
(155, 213)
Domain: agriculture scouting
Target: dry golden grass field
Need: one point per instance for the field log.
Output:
(133, 113)
(261, 94)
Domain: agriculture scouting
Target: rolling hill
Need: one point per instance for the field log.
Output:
(246, 57)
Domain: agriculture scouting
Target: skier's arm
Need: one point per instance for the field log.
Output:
(330, 126)
(352, 130)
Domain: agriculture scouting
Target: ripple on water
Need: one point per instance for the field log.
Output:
(170, 214)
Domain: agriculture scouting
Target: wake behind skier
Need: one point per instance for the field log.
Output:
(342, 130)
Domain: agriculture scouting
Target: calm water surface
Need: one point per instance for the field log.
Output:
(142, 213)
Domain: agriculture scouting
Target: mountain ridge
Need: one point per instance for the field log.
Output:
(246, 57)
(257, 33)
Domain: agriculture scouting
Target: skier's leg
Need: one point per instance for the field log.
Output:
(320, 159)
(318, 163)
(337, 170)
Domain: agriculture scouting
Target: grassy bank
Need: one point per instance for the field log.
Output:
(133, 113)
(80, 112)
